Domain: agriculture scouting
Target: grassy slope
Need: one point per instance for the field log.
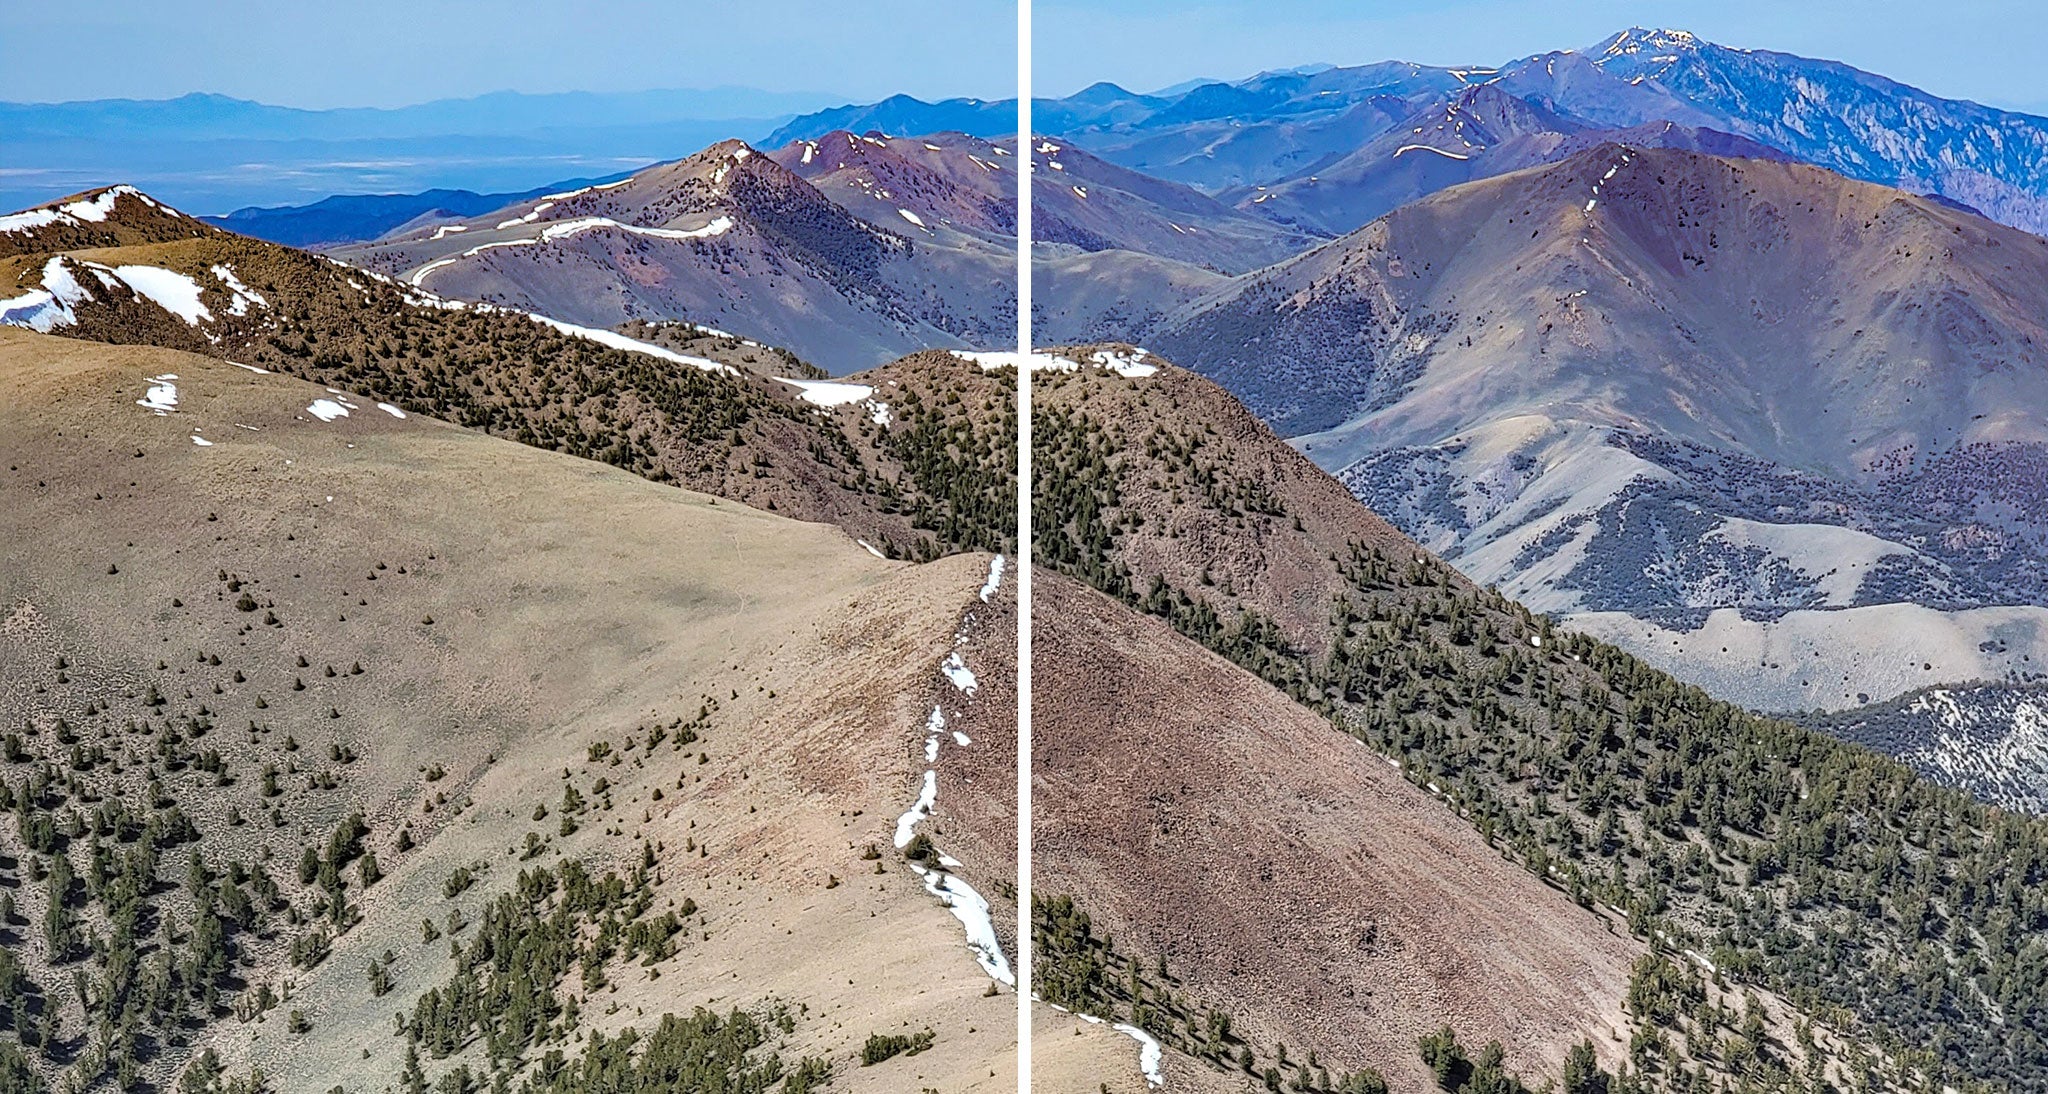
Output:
(570, 604)
(744, 436)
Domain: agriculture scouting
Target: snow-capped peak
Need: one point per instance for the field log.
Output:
(92, 206)
(1638, 40)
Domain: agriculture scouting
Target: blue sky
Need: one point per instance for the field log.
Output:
(1987, 50)
(396, 52)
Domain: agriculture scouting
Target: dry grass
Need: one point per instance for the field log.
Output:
(571, 603)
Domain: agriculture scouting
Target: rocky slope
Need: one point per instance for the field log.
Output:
(1991, 739)
(1479, 132)
(1823, 112)
(1632, 795)
(1657, 391)
(1079, 201)
(726, 238)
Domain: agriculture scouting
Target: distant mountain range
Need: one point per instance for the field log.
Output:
(1293, 124)
(355, 218)
(212, 153)
(850, 250)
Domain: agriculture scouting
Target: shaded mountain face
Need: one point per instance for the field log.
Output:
(899, 183)
(1862, 125)
(356, 218)
(1990, 738)
(314, 720)
(910, 459)
(1091, 204)
(1197, 136)
(1574, 758)
(1661, 390)
(1193, 814)
(1079, 201)
(1480, 132)
(726, 238)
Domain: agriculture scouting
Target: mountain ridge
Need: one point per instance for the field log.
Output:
(1217, 135)
(1571, 380)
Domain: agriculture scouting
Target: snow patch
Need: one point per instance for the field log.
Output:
(616, 340)
(95, 209)
(826, 392)
(327, 410)
(167, 289)
(912, 217)
(392, 410)
(1129, 365)
(49, 307)
(995, 578)
(1149, 1054)
(934, 725)
(243, 295)
(956, 670)
(162, 397)
(567, 228)
(991, 360)
(1428, 148)
(563, 230)
(972, 911)
(906, 825)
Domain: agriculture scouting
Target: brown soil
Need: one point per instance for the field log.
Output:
(1285, 872)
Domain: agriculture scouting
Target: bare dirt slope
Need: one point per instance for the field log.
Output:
(535, 659)
(1282, 868)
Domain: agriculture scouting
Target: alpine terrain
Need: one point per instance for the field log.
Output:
(1320, 813)
(352, 744)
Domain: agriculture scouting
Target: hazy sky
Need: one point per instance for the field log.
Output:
(395, 52)
(1987, 50)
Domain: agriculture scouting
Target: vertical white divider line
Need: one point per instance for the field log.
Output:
(1024, 553)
